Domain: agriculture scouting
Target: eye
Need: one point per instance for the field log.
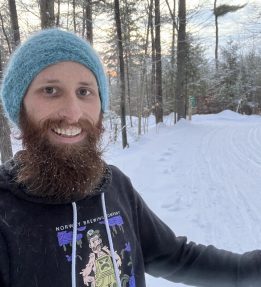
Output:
(50, 90)
(83, 92)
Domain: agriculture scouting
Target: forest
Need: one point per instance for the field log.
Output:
(155, 56)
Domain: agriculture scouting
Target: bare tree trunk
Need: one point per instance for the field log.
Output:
(5, 139)
(173, 43)
(159, 102)
(83, 20)
(127, 57)
(68, 15)
(14, 24)
(216, 25)
(89, 25)
(5, 34)
(181, 62)
(219, 12)
(173, 56)
(141, 98)
(58, 13)
(47, 13)
(74, 16)
(122, 74)
(153, 58)
(128, 85)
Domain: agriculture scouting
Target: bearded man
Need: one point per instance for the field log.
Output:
(58, 189)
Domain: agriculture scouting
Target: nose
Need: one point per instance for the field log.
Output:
(71, 109)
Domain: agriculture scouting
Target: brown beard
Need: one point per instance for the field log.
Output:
(64, 171)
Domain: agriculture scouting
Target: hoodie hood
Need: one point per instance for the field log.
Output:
(8, 174)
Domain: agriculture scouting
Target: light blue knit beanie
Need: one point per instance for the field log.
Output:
(43, 49)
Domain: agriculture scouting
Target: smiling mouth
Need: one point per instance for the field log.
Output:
(67, 132)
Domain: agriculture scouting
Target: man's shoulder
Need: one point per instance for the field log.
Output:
(6, 190)
(114, 169)
(118, 174)
(6, 175)
(4, 179)
(120, 181)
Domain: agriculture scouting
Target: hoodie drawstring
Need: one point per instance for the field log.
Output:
(116, 270)
(74, 238)
(74, 242)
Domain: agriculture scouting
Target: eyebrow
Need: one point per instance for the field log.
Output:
(50, 81)
(86, 83)
(57, 81)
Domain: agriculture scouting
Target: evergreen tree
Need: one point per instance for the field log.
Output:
(228, 76)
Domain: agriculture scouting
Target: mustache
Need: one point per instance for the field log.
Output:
(29, 127)
(63, 123)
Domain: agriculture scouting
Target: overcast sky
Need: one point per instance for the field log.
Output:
(242, 26)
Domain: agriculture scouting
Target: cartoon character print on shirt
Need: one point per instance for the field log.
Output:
(100, 263)
(93, 253)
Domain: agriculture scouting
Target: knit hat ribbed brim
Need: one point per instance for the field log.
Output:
(41, 50)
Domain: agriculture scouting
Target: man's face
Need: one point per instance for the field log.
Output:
(68, 92)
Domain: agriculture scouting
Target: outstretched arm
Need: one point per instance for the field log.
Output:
(175, 259)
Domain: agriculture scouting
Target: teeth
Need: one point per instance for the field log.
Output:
(71, 131)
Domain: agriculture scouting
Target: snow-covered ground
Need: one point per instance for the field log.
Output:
(203, 178)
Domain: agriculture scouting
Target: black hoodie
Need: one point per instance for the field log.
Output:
(36, 242)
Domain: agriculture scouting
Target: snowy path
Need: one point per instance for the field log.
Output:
(202, 178)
